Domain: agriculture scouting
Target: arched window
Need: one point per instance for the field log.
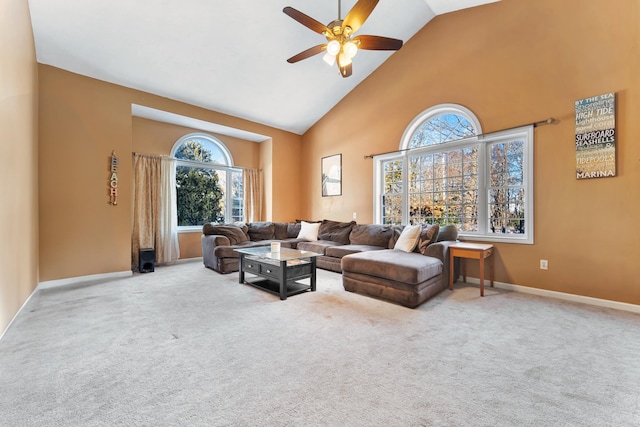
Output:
(208, 187)
(448, 172)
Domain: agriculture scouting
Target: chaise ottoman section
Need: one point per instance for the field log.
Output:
(407, 278)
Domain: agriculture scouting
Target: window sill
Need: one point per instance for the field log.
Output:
(508, 238)
(194, 229)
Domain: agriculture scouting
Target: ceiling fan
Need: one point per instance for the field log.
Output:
(340, 46)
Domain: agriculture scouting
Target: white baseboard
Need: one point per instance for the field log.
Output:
(559, 295)
(83, 279)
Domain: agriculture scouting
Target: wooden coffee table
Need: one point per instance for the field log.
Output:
(479, 251)
(278, 272)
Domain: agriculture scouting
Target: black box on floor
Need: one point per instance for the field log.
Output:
(147, 260)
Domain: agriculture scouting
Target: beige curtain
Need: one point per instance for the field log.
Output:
(252, 195)
(154, 210)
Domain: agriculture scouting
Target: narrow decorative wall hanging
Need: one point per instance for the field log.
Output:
(332, 175)
(113, 181)
(596, 136)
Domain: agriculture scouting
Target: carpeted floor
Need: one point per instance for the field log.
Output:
(185, 346)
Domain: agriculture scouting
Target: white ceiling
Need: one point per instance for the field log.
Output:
(227, 56)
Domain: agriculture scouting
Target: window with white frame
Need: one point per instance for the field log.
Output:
(208, 187)
(448, 172)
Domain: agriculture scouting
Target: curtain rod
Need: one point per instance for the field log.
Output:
(548, 121)
(194, 162)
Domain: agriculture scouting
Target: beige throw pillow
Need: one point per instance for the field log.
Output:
(309, 231)
(409, 238)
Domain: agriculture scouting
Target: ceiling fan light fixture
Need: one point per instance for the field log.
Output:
(350, 49)
(343, 60)
(329, 58)
(333, 47)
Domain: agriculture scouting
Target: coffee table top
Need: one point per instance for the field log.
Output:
(285, 254)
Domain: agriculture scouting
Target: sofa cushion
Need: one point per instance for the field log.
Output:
(319, 246)
(280, 230)
(335, 231)
(428, 235)
(293, 229)
(408, 238)
(405, 267)
(448, 232)
(261, 231)
(232, 232)
(340, 251)
(370, 234)
(309, 231)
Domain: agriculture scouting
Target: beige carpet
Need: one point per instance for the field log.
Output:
(185, 346)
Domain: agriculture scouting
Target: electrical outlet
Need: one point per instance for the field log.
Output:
(544, 264)
(354, 216)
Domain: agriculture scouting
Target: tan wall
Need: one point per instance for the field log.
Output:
(82, 120)
(18, 159)
(512, 63)
(154, 137)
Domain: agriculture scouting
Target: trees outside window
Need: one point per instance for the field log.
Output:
(208, 188)
(448, 172)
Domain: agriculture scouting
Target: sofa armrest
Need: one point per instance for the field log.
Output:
(209, 243)
(213, 240)
(440, 250)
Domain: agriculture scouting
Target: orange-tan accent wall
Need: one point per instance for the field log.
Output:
(82, 121)
(512, 63)
(18, 159)
(154, 137)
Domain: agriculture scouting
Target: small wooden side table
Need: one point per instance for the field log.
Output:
(479, 251)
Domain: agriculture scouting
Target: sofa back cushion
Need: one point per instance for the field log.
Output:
(280, 230)
(428, 235)
(335, 231)
(261, 231)
(233, 232)
(371, 234)
(448, 232)
(293, 229)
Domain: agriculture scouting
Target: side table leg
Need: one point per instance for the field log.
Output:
(451, 269)
(491, 267)
(481, 275)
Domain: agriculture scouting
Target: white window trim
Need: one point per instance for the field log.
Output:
(436, 111)
(483, 234)
(526, 133)
(228, 168)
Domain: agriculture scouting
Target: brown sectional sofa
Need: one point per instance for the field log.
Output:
(363, 253)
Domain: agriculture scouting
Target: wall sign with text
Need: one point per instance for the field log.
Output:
(596, 136)
(113, 181)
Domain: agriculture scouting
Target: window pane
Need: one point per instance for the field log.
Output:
(200, 195)
(392, 192)
(450, 196)
(237, 196)
(200, 149)
(506, 193)
(440, 129)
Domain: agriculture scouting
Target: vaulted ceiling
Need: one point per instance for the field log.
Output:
(227, 56)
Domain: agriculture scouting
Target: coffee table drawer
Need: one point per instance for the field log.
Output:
(251, 266)
(270, 271)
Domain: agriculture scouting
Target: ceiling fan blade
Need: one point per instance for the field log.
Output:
(346, 70)
(378, 43)
(307, 53)
(358, 14)
(305, 20)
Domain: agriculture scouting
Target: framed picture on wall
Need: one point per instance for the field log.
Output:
(332, 175)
